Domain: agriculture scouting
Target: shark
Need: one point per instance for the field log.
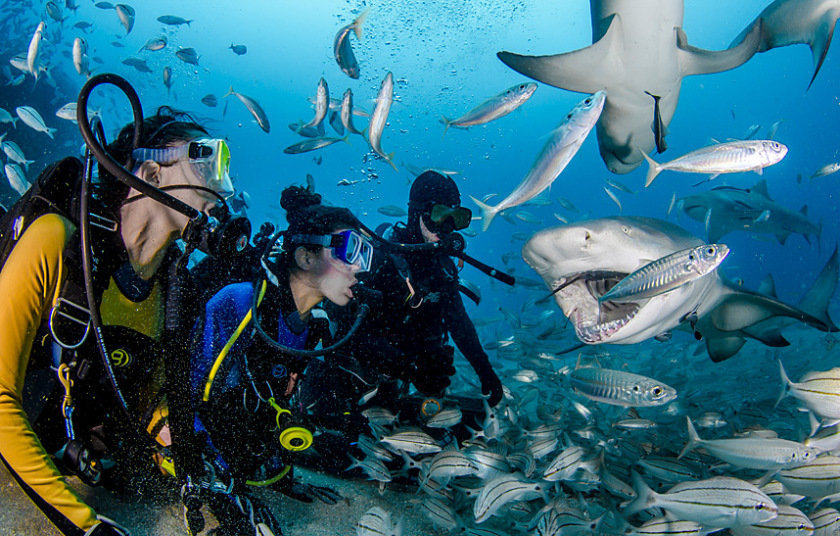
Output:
(638, 51)
(791, 22)
(725, 209)
(580, 262)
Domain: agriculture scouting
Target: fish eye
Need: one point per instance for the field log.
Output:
(656, 391)
(587, 236)
(710, 251)
(691, 256)
(588, 101)
(569, 116)
(522, 86)
(636, 388)
(760, 506)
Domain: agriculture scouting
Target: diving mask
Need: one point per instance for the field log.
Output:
(348, 246)
(443, 218)
(209, 158)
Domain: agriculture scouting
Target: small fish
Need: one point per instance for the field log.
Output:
(6, 117)
(167, 78)
(105, 5)
(668, 273)
(503, 490)
(209, 100)
(752, 131)
(663, 526)
(818, 390)
(80, 61)
(54, 11)
(253, 107)
(379, 416)
(187, 55)
(620, 186)
(311, 145)
(493, 108)
(15, 154)
(83, 25)
(346, 182)
(773, 129)
(818, 479)
(372, 467)
(412, 442)
(322, 106)
(126, 16)
(377, 522)
(347, 113)
(117, 44)
(17, 179)
(372, 393)
(341, 46)
(380, 116)
(445, 418)
(526, 376)
(826, 522)
(658, 126)
(827, 169)
(448, 464)
(565, 141)
(620, 388)
(138, 64)
(154, 44)
(789, 520)
(392, 210)
(764, 216)
(672, 203)
(730, 157)
(172, 20)
(239, 50)
(34, 48)
(68, 112)
(33, 120)
(613, 197)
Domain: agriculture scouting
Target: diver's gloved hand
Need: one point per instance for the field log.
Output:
(240, 514)
(432, 370)
(491, 387)
(106, 527)
(300, 491)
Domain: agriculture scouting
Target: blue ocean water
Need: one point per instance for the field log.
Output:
(442, 56)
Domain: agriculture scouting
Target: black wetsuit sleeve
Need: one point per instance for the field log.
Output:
(463, 333)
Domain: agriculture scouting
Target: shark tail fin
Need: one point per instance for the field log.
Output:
(786, 383)
(653, 170)
(693, 439)
(487, 213)
(821, 41)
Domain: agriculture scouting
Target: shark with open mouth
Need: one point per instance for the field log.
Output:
(580, 262)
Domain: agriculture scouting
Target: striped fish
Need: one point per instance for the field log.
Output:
(662, 526)
(372, 467)
(752, 452)
(440, 513)
(541, 448)
(565, 464)
(501, 491)
(369, 446)
(566, 522)
(445, 418)
(789, 521)
(450, 463)
(377, 522)
(818, 479)
(719, 502)
(412, 442)
(826, 522)
(490, 464)
(620, 388)
(777, 491)
(524, 462)
(818, 390)
(668, 273)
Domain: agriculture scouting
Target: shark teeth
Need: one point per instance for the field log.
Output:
(594, 322)
(595, 332)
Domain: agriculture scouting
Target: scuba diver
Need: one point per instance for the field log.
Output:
(407, 337)
(66, 403)
(243, 387)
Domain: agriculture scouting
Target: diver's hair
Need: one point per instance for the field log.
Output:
(166, 127)
(307, 216)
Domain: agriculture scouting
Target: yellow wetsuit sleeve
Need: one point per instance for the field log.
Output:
(28, 284)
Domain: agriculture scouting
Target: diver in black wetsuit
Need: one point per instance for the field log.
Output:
(406, 338)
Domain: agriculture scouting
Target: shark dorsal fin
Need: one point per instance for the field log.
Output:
(761, 188)
(768, 286)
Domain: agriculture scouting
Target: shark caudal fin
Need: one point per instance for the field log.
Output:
(487, 213)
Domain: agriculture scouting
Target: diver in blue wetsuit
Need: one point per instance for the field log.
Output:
(243, 388)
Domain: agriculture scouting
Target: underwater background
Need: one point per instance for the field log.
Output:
(443, 58)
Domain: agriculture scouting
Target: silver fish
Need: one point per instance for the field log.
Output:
(501, 491)
(54, 11)
(15, 153)
(668, 273)
(126, 15)
(620, 186)
(377, 522)
(379, 416)
(80, 61)
(372, 467)
(322, 105)
(663, 526)
(818, 390)
(253, 107)
(449, 464)
(555, 155)
(311, 145)
(172, 20)
(347, 113)
(753, 452)
(612, 196)
(730, 157)
(187, 55)
(826, 522)
(369, 446)
(33, 120)
(439, 513)
(32, 51)
(719, 502)
(380, 116)
(154, 44)
(565, 464)
(392, 210)
(138, 64)
(668, 470)
(68, 112)
(620, 388)
(412, 442)
(341, 46)
(445, 418)
(818, 479)
(209, 100)
(790, 520)
(17, 179)
(827, 169)
(167, 78)
(493, 108)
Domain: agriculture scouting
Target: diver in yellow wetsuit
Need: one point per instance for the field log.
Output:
(177, 155)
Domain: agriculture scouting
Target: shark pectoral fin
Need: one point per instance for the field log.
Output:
(722, 348)
(771, 336)
(581, 70)
(694, 60)
(816, 300)
(742, 309)
(821, 41)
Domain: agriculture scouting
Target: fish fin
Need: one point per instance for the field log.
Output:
(693, 438)
(50, 132)
(346, 139)
(761, 188)
(573, 70)
(229, 93)
(653, 169)
(445, 121)
(768, 286)
(786, 384)
(821, 41)
(722, 348)
(360, 20)
(713, 176)
(645, 497)
(14, 122)
(816, 300)
(390, 159)
(487, 213)
(693, 60)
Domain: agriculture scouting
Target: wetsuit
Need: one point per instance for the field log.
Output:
(30, 283)
(235, 412)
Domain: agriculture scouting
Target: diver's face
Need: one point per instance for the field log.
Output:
(181, 173)
(334, 277)
(428, 236)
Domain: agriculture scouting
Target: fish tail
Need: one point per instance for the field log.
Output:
(644, 496)
(447, 122)
(786, 383)
(229, 93)
(346, 140)
(653, 170)
(14, 122)
(693, 439)
(357, 24)
(50, 131)
(390, 159)
(487, 213)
